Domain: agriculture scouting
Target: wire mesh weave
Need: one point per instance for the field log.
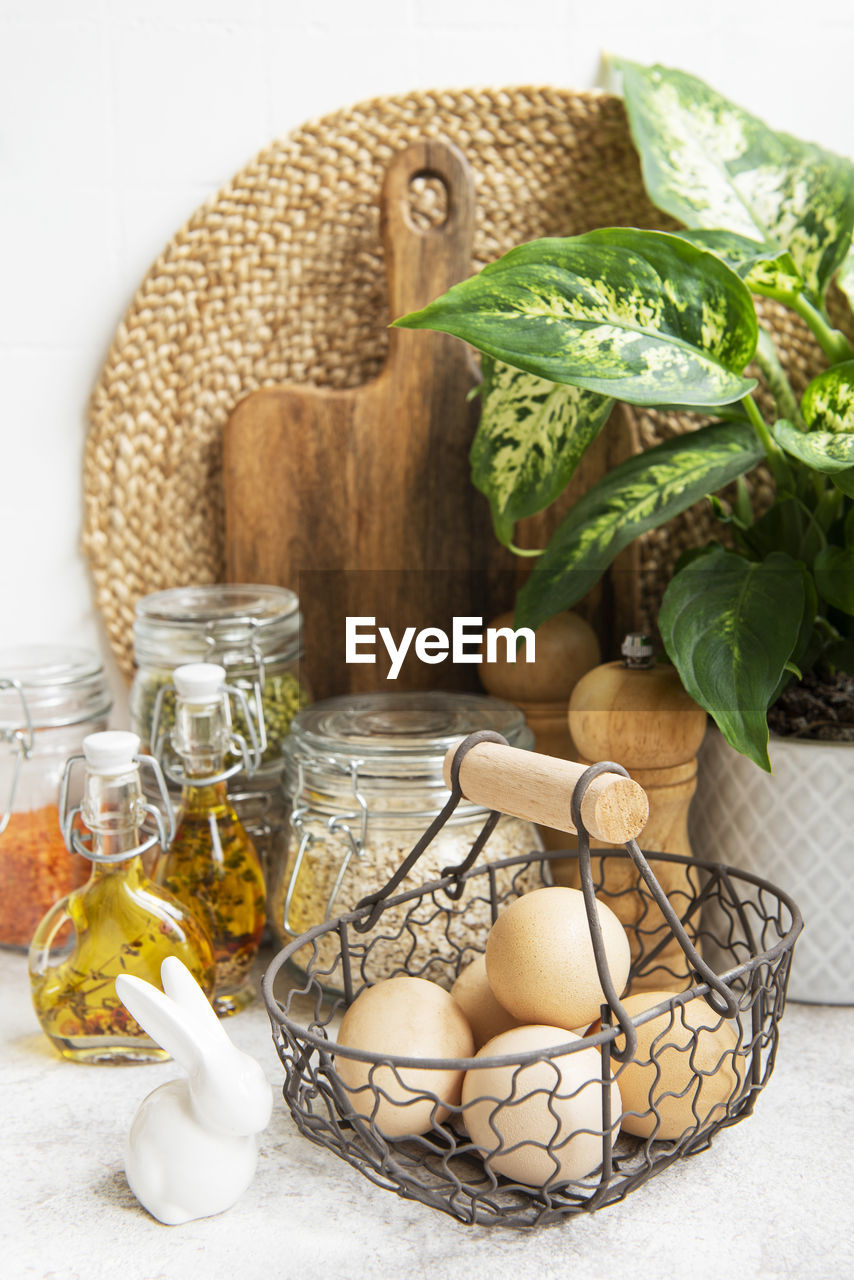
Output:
(744, 927)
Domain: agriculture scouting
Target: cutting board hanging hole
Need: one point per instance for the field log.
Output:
(428, 201)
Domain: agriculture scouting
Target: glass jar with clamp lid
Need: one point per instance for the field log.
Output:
(363, 779)
(51, 698)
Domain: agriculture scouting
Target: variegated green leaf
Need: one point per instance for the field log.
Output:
(824, 451)
(828, 401)
(828, 411)
(834, 576)
(641, 316)
(711, 164)
(765, 269)
(641, 493)
(730, 625)
(844, 480)
(845, 276)
(531, 436)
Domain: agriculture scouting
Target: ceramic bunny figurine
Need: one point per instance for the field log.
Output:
(192, 1148)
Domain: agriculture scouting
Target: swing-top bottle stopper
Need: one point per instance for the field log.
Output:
(203, 725)
(200, 682)
(111, 752)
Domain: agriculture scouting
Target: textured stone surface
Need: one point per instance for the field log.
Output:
(770, 1199)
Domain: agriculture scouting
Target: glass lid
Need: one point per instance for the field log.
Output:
(61, 685)
(230, 622)
(391, 732)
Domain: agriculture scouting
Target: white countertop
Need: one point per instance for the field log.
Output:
(771, 1198)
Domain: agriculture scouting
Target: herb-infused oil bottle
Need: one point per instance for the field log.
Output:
(212, 865)
(118, 922)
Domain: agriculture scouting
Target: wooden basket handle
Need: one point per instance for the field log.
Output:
(539, 789)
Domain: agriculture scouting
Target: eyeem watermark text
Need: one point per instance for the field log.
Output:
(468, 642)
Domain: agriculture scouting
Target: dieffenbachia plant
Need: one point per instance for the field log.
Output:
(567, 326)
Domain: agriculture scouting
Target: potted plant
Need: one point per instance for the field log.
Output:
(668, 320)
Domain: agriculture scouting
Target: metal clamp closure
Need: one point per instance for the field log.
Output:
(250, 753)
(354, 845)
(254, 656)
(164, 820)
(375, 900)
(21, 741)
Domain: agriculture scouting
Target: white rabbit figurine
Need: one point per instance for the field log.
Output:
(192, 1147)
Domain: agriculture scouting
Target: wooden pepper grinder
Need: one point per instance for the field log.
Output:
(566, 648)
(636, 713)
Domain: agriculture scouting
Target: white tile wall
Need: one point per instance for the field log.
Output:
(55, 86)
(119, 117)
(187, 100)
(60, 264)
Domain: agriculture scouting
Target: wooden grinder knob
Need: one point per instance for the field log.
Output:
(640, 716)
(539, 789)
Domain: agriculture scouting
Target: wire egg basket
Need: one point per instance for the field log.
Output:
(701, 1054)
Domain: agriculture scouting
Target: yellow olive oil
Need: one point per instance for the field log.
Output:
(212, 867)
(118, 922)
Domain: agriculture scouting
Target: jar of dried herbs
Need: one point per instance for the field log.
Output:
(254, 633)
(363, 779)
(51, 697)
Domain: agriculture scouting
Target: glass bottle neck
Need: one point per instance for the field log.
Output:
(113, 811)
(201, 736)
(132, 866)
(210, 797)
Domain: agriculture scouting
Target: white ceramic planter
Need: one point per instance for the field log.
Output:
(795, 828)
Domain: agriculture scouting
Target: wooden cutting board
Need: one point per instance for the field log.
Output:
(361, 500)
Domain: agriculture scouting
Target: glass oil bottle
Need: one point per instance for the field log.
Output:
(118, 922)
(212, 865)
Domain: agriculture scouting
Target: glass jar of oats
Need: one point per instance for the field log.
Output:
(363, 781)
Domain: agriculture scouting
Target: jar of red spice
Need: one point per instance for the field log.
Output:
(51, 697)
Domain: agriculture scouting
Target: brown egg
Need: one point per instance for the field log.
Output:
(540, 1122)
(540, 962)
(486, 1016)
(403, 1017)
(686, 1069)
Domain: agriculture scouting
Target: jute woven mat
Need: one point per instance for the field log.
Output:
(279, 277)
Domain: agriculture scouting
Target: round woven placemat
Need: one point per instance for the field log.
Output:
(280, 278)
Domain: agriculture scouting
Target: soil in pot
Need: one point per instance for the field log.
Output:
(820, 708)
